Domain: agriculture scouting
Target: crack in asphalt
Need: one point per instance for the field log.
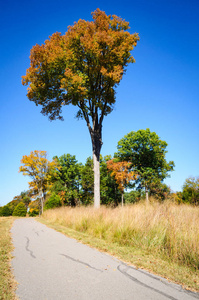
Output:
(81, 262)
(124, 272)
(193, 294)
(27, 247)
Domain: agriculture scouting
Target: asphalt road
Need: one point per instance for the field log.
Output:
(50, 266)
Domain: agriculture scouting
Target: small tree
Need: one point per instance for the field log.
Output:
(52, 202)
(5, 211)
(82, 68)
(20, 210)
(146, 153)
(25, 198)
(38, 167)
(66, 179)
(190, 190)
(120, 171)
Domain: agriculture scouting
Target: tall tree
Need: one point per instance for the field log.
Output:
(37, 166)
(146, 152)
(82, 68)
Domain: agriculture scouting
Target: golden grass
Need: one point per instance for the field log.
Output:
(163, 238)
(7, 282)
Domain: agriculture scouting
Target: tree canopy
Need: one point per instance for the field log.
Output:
(146, 152)
(82, 68)
(66, 178)
(190, 191)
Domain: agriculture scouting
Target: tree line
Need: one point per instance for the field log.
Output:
(136, 170)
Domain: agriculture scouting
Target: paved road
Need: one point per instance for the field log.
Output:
(49, 266)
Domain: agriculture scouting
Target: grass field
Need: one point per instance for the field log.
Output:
(161, 238)
(7, 283)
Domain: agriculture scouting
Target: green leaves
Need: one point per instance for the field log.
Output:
(146, 152)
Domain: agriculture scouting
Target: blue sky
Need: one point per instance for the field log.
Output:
(160, 91)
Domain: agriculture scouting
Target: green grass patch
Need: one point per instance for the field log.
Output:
(7, 282)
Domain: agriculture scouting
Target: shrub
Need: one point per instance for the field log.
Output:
(53, 201)
(5, 211)
(20, 210)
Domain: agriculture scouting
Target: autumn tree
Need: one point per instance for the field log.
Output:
(109, 189)
(120, 170)
(146, 152)
(82, 68)
(38, 167)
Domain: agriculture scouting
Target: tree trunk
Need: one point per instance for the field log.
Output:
(41, 201)
(96, 135)
(147, 195)
(96, 167)
(122, 199)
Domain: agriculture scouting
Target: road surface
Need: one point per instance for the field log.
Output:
(50, 266)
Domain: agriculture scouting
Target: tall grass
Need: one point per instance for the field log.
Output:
(7, 282)
(167, 230)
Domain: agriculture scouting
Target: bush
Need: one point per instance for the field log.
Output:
(20, 210)
(5, 211)
(52, 202)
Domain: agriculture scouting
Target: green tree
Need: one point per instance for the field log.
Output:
(66, 179)
(20, 210)
(53, 201)
(5, 211)
(25, 198)
(133, 196)
(82, 68)
(87, 182)
(12, 204)
(190, 191)
(146, 152)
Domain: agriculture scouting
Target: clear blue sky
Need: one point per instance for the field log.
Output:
(160, 91)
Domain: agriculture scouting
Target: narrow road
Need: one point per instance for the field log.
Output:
(50, 266)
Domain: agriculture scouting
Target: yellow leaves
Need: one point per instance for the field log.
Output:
(38, 167)
(115, 74)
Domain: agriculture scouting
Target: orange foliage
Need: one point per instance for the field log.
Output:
(120, 171)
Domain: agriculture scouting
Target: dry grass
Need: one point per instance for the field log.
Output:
(7, 283)
(163, 238)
